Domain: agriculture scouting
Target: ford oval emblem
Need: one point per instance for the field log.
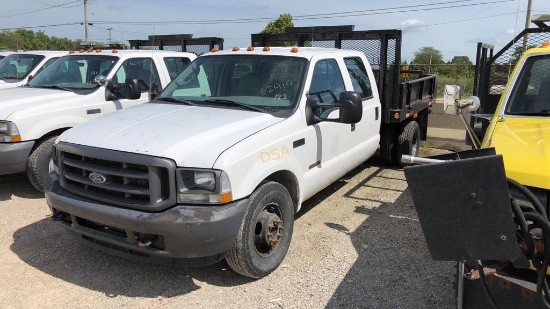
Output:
(98, 178)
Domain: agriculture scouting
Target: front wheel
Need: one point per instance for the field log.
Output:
(265, 233)
(39, 161)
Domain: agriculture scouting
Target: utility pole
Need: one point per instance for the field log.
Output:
(86, 21)
(527, 22)
(109, 29)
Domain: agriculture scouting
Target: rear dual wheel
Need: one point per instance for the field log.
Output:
(409, 140)
(396, 142)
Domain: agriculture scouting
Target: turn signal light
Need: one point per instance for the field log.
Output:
(546, 44)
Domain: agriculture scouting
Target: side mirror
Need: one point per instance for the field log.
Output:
(101, 80)
(450, 97)
(153, 91)
(351, 110)
(452, 104)
(348, 110)
(131, 89)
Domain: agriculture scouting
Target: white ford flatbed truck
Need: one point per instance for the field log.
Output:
(74, 89)
(218, 164)
(17, 68)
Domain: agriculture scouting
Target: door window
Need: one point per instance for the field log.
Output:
(359, 78)
(175, 65)
(327, 83)
(142, 69)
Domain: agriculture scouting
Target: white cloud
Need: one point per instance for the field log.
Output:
(412, 25)
(118, 6)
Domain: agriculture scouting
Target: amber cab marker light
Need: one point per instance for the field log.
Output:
(546, 44)
(294, 49)
(98, 50)
(71, 52)
(81, 50)
(249, 48)
(266, 48)
(215, 49)
(235, 48)
(114, 51)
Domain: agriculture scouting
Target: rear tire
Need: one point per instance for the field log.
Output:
(265, 232)
(39, 161)
(409, 141)
(388, 145)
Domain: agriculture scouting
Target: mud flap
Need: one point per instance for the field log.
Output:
(463, 206)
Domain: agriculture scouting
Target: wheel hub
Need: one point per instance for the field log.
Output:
(269, 232)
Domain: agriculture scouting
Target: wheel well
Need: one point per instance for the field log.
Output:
(48, 135)
(289, 181)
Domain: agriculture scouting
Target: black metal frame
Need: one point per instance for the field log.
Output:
(183, 40)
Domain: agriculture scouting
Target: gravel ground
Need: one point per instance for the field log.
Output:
(357, 244)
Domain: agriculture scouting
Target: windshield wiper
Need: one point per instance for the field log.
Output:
(56, 87)
(168, 99)
(235, 103)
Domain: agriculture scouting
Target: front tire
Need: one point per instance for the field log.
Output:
(265, 232)
(39, 161)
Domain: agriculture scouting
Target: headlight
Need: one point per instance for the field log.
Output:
(53, 167)
(9, 132)
(203, 186)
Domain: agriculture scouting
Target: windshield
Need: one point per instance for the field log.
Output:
(18, 66)
(531, 95)
(266, 83)
(74, 72)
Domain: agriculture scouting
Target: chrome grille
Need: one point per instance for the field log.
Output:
(123, 179)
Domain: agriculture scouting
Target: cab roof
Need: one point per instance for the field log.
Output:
(302, 52)
(129, 52)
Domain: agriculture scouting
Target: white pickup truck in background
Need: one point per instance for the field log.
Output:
(217, 165)
(3, 54)
(74, 89)
(17, 68)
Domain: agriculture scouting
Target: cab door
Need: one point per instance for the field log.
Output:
(328, 142)
(521, 130)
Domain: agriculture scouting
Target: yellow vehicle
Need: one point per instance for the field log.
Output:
(490, 210)
(520, 127)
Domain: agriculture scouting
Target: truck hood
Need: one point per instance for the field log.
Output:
(191, 136)
(11, 84)
(525, 145)
(18, 98)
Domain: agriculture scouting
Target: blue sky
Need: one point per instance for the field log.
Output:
(453, 27)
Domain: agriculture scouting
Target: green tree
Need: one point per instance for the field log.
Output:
(428, 55)
(425, 58)
(461, 60)
(279, 25)
(23, 39)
